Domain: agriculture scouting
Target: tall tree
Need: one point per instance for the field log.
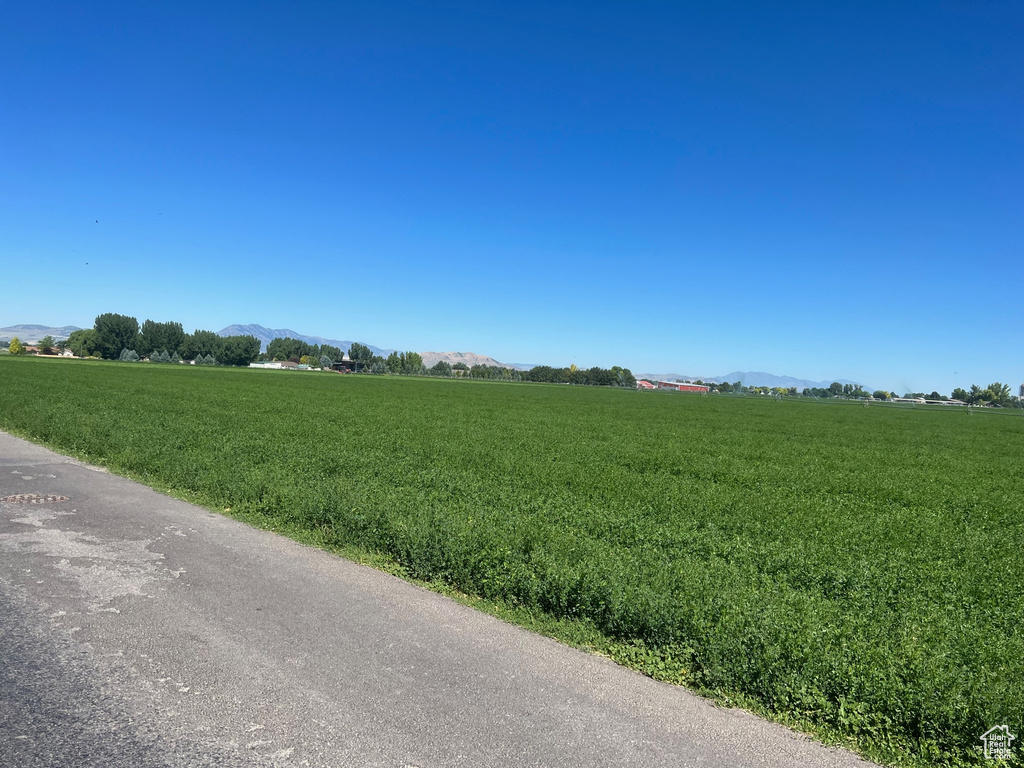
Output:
(200, 344)
(115, 332)
(1000, 392)
(331, 351)
(360, 353)
(16, 347)
(239, 350)
(286, 348)
(159, 336)
(46, 346)
(412, 362)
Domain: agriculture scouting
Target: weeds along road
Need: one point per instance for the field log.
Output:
(137, 630)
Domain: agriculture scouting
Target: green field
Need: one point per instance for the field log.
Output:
(856, 569)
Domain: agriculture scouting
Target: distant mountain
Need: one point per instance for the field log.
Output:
(30, 334)
(752, 379)
(267, 335)
(469, 358)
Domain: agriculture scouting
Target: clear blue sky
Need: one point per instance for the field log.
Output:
(800, 188)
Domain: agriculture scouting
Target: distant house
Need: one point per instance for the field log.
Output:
(641, 384)
(683, 386)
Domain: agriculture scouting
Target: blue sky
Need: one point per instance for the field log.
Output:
(819, 191)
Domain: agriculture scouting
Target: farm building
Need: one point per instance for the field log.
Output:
(279, 365)
(682, 386)
(641, 384)
(348, 365)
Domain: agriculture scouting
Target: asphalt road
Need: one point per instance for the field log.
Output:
(137, 630)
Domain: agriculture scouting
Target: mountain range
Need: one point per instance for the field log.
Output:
(267, 335)
(30, 334)
(751, 379)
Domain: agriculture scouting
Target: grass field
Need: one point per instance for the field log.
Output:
(857, 569)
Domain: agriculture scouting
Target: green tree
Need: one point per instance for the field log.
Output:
(624, 377)
(835, 388)
(441, 368)
(411, 362)
(16, 347)
(880, 394)
(200, 344)
(360, 353)
(959, 394)
(334, 353)
(46, 345)
(287, 348)
(82, 343)
(115, 332)
(238, 350)
(1000, 393)
(156, 336)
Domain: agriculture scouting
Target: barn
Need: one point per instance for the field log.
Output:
(682, 386)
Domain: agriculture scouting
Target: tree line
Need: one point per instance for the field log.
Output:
(411, 364)
(120, 337)
(997, 393)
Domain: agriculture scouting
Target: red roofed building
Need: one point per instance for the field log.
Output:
(682, 386)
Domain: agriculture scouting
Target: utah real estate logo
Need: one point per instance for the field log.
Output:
(997, 743)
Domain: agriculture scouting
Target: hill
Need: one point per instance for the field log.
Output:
(469, 358)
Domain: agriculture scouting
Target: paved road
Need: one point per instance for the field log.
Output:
(138, 631)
